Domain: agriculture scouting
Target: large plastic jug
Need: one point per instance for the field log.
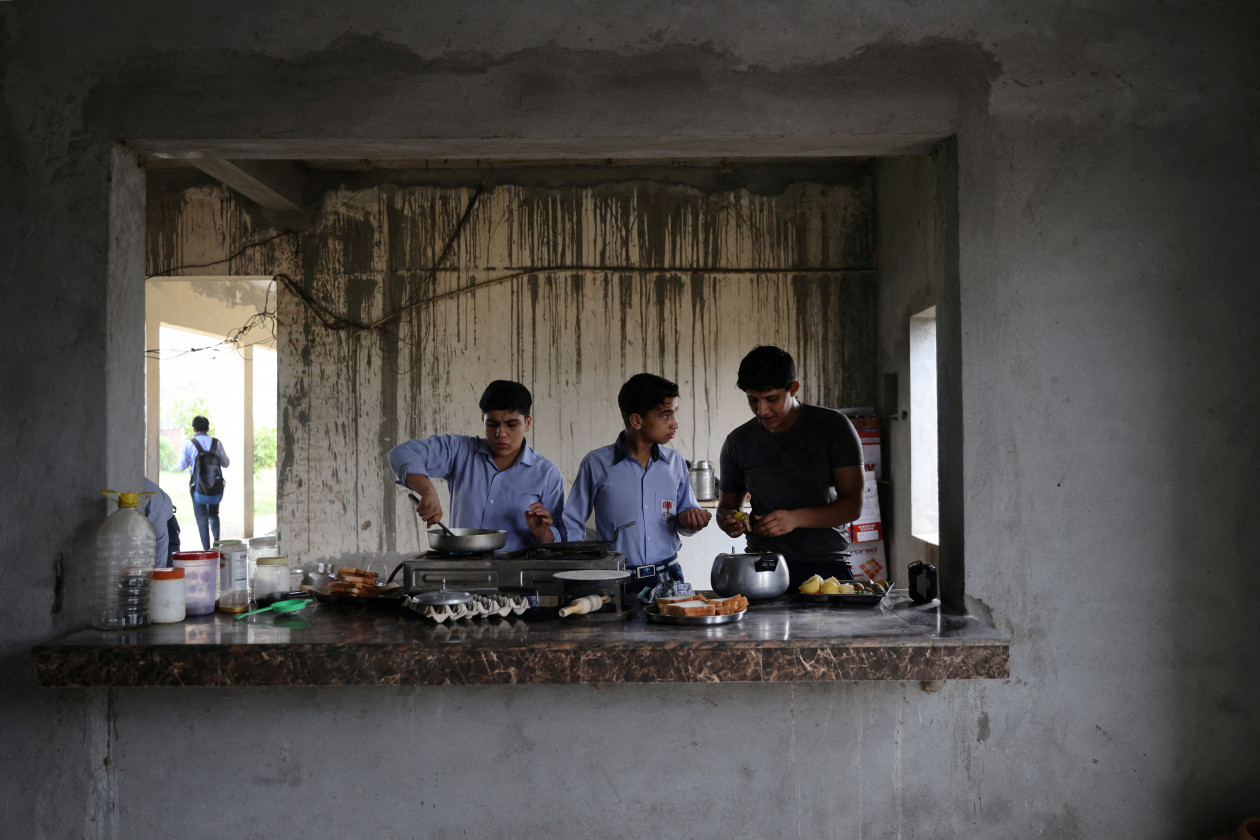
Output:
(125, 556)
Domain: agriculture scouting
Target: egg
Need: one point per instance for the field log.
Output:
(830, 586)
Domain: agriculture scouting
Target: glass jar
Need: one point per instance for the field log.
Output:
(233, 576)
(271, 580)
(167, 603)
(258, 547)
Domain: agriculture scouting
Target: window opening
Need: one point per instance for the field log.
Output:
(924, 483)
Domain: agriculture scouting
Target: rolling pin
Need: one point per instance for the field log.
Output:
(585, 604)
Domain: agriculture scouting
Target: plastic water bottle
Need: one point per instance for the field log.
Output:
(125, 551)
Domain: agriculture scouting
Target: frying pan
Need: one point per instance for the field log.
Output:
(463, 540)
(585, 545)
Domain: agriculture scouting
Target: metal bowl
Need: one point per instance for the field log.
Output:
(755, 576)
(466, 540)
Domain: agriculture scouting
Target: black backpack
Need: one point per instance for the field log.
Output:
(207, 474)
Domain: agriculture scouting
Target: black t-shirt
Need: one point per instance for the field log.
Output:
(792, 470)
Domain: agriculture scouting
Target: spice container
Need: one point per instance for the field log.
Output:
(167, 602)
(201, 579)
(271, 580)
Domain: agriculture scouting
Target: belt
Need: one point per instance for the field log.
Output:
(651, 569)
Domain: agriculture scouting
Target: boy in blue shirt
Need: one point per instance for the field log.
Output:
(637, 479)
(497, 482)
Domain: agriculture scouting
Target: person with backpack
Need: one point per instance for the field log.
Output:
(207, 459)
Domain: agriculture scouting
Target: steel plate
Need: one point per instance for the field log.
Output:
(654, 615)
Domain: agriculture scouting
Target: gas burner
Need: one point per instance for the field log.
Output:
(434, 554)
(528, 569)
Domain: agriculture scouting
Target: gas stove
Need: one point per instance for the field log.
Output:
(530, 569)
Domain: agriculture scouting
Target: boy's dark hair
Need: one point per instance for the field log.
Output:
(505, 395)
(201, 424)
(642, 393)
(766, 368)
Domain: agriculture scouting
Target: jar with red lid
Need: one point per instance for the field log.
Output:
(201, 577)
(167, 603)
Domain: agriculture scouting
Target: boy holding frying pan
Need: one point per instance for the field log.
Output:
(497, 482)
(638, 479)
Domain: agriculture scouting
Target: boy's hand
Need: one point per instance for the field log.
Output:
(776, 523)
(429, 508)
(734, 522)
(693, 519)
(538, 518)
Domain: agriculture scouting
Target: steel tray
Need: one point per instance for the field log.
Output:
(393, 598)
(653, 614)
(855, 599)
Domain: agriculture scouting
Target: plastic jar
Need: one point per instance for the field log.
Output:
(233, 576)
(168, 603)
(271, 580)
(201, 578)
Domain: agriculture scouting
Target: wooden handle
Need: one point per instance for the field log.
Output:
(585, 604)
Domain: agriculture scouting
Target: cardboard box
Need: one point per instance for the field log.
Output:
(868, 429)
(869, 560)
(868, 527)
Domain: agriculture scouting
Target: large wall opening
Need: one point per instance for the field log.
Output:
(406, 288)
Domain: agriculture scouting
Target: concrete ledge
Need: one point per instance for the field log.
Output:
(778, 641)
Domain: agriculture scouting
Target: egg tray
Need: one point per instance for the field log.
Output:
(481, 606)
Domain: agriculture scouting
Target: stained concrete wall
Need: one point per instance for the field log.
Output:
(1106, 181)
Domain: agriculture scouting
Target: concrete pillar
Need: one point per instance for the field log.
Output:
(125, 337)
(152, 397)
(247, 439)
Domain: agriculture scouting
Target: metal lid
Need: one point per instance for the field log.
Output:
(442, 597)
(273, 561)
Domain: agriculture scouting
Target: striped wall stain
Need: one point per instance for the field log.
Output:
(620, 277)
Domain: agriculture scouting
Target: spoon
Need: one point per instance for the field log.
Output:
(289, 606)
(448, 531)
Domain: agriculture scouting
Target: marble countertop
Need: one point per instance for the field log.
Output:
(781, 640)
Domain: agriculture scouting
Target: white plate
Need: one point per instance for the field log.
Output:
(592, 574)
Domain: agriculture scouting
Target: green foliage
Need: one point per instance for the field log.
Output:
(264, 447)
(168, 455)
(186, 408)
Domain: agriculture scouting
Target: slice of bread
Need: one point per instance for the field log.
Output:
(693, 607)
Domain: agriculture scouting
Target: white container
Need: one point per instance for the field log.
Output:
(271, 580)
(168, 604)
(123, 577)
(201, 577)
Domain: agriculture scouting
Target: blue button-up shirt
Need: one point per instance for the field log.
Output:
(482, 496)
(619, 489)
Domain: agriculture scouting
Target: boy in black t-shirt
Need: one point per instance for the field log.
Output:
(802, 465)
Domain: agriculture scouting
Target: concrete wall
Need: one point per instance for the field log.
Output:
(1106, 179)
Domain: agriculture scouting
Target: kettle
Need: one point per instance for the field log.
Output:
(922, 583)
(703, 483)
